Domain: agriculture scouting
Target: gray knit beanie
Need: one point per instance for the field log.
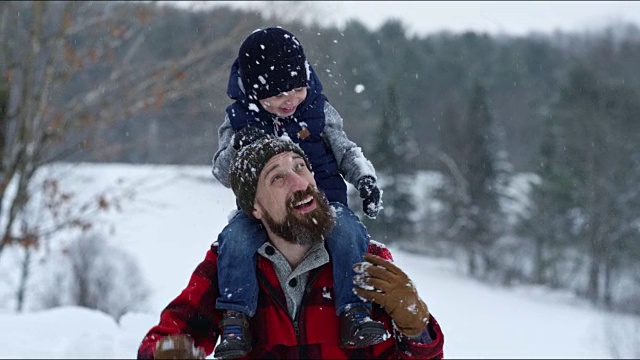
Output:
(249, 162)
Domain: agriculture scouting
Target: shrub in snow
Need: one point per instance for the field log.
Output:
(94, 274)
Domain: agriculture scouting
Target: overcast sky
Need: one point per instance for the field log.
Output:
(512, 17)
(508, 17)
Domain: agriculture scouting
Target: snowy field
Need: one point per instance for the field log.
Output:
(178, 211)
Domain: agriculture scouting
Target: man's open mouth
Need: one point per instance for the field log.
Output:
(305, 204)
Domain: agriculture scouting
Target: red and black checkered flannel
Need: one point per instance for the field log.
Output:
(313, 335)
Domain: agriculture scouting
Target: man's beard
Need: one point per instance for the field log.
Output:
(306, 229)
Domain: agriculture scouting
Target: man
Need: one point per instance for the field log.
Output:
(296, 318)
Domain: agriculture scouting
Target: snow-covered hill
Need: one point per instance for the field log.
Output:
(178, 211)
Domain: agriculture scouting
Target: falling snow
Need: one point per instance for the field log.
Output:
(325, 293)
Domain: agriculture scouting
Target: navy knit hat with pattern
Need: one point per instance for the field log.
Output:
(248, 164)
(271, 61)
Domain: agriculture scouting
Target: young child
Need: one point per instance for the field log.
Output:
(276, 91)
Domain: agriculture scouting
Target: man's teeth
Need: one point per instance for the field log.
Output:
(303, 201)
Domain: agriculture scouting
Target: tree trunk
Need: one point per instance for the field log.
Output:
(472, 264)
(593, 282)
(24, 278)
(538, 262)
(606, 287)
(4, 108)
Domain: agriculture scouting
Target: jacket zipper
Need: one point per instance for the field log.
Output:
(274, 295)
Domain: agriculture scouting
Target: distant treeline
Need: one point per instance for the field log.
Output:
(522, 77)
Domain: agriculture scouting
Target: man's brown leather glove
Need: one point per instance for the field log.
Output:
(178, 347)
(385, 284)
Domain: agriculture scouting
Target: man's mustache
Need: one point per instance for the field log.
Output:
(303, 194)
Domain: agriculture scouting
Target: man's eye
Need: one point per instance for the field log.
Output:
(276, 178)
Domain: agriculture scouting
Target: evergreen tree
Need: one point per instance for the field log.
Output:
(393, 156)
(452, 192)
(473, 182)
(482, 175)
(547, 222)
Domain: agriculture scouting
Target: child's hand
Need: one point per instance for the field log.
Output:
(246, 136)
(370, 193)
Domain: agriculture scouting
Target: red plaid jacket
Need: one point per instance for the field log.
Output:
(314, 335)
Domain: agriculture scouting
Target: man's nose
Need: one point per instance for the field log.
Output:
(298, 182)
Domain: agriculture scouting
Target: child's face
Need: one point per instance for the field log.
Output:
(284, 104)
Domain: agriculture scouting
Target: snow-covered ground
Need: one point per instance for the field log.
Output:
(178, 211)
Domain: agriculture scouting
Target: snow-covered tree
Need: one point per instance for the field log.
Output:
(68, 72)
(598, 137)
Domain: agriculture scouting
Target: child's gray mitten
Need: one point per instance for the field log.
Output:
(370, 193)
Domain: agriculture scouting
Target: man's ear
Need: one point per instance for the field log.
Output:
(256, 212)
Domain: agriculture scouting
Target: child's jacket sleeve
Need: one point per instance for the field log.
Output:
(353, 165)
(222, 158)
